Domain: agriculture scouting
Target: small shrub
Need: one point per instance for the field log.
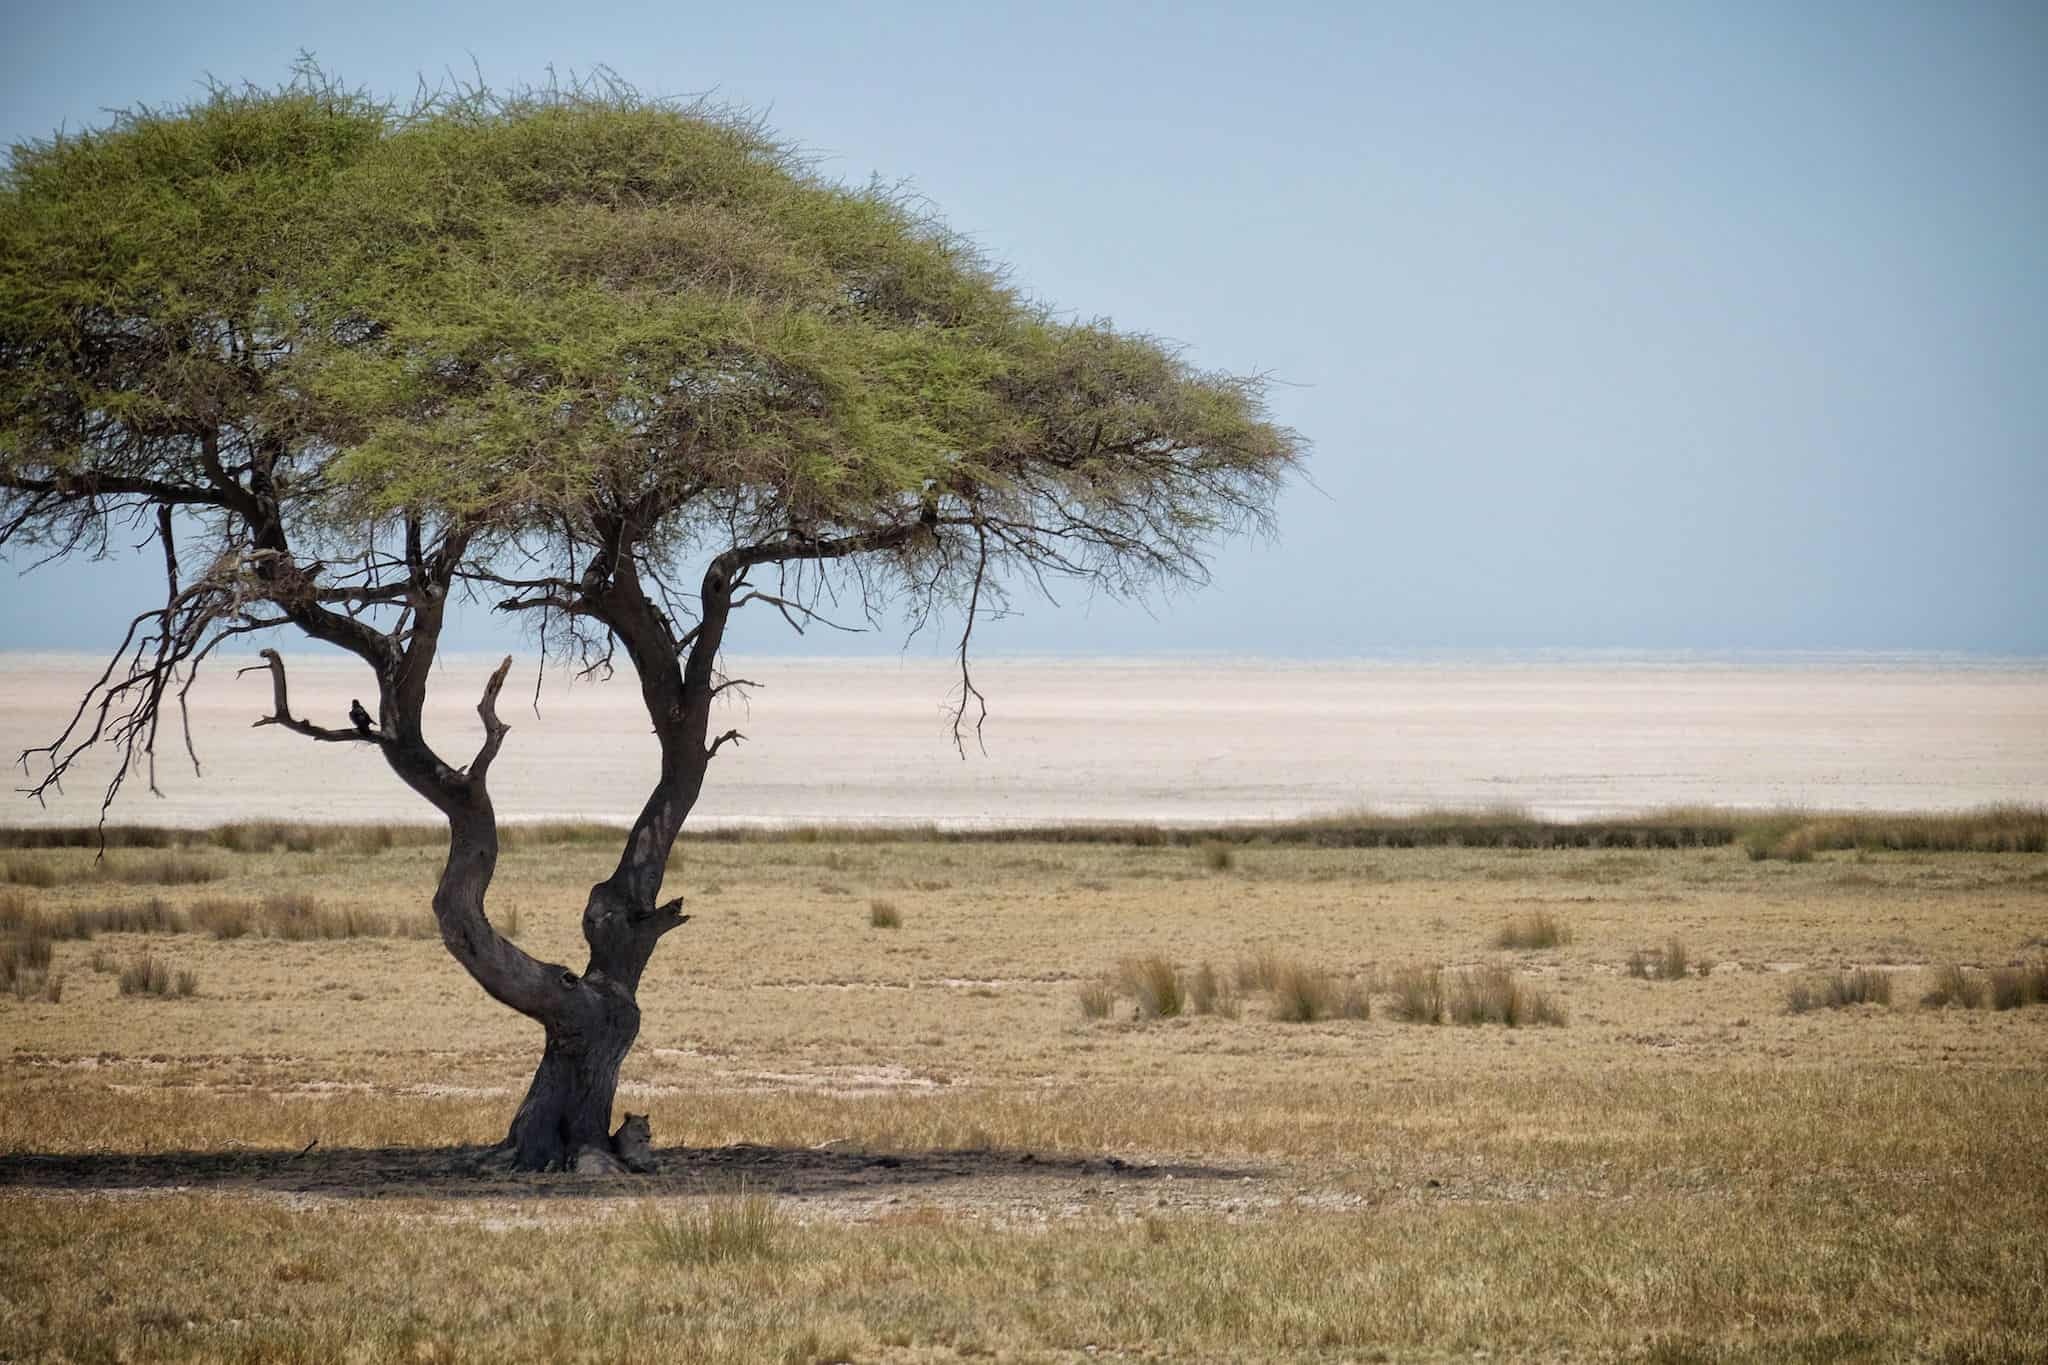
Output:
(729, 1228)
(1494, 995)
(1540, 929)
(1096, 998)
(884, 915)
(1217, 856)
(1156, 984)
(186, 984)
(1954, 986)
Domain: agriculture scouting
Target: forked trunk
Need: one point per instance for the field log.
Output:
(568, 1107)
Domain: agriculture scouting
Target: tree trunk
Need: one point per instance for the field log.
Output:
(590, 1027)
(568, 1107)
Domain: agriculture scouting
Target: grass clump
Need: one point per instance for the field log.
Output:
(1418, 995)
(1954, 986)
(1304, 994)
(1539, 929)
(165, 869)
(29, 872)
(2015, 987)
(1096, 998)
(884, 915)
(1209, 993)
(224, 918)
(1156, 985)
(727, 1229)
(1217, 856)
(1673, 962)
(25, 957)
(147, 974)
(1495, 995)
(1861, 986)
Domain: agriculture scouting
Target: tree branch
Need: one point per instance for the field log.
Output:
(281, 709)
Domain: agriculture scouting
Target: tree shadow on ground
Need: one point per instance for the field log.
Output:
(468, 1172)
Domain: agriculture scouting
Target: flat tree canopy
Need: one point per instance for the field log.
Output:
(622, 365)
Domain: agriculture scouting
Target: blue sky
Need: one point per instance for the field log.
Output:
(1630, 326)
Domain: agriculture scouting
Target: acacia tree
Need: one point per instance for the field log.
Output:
(623, 366)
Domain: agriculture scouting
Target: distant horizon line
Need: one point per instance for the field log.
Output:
(316, 652)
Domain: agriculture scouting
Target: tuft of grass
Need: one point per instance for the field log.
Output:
(1303, 994)
(224, 918)
(1862, 986)
(25, 956)
(27, 951)
(152, 916)
(1217, 856)
(1674, 962)
(29, 872)
(1096, 998)
(884, 915)
(146, 974)
(1156, 984)
(1418, 995)
(1209, 993)
(1538, 929)
(1495, 995)
(2015, 987)
(1954, 986)
(165, 869)
(1260, 971)
(727, 1229)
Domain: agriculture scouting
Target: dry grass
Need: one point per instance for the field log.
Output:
(1155, 984)
(1495, 995)
(147, 974)
(2014, 987)
(1537, 929)
(1616, 1189)
(884, 915)
(1673, 962)
(2005, 828)
(717, 1231)
(1955, 986)
(1862, 986)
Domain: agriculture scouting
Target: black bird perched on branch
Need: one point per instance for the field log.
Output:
(361, 717)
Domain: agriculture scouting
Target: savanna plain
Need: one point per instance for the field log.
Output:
(1774, 1093)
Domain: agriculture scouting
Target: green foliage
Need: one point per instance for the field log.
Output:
(504, 309)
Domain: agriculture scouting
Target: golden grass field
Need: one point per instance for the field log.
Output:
(910, 1143)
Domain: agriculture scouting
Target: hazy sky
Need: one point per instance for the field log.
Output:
(1718, 326)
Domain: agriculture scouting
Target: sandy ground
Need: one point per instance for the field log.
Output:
(1160, 740)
